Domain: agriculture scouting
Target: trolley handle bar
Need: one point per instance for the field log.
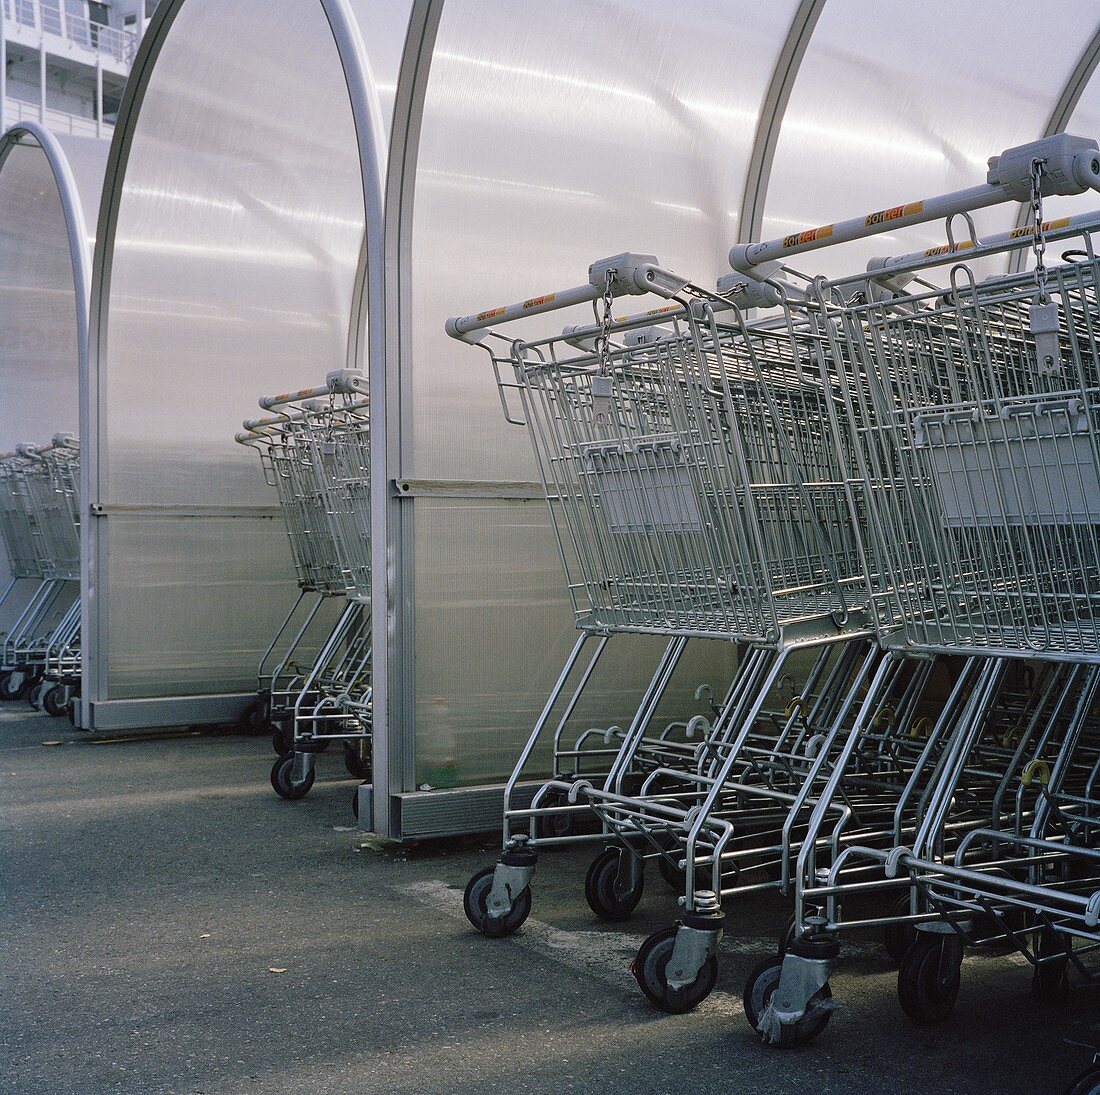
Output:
(340, 382)
(266, 425)
(582, 331)
(629, 274)
(1071, 165)
(1058, 229)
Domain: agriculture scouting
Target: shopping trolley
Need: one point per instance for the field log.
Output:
(39, 518)
(316, 454)
(971, 409)
(690, 501)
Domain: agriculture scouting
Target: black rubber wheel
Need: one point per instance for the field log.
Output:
(898, 938)
(282, 740)
(13, 685)
(929, 977)
(475, 901)
(1050, 981)
(1086, 1083)
(54, 702)
(759, 988)
(358, 759)
(599, 887)
(34, 696)
(282, 783)
(648, 968)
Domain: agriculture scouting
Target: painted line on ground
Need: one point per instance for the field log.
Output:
(603, 955)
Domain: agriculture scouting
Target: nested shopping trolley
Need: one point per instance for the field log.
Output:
(862, 752)
(39, 522)
(315, 681)
(689, 500)
(971, 408)
(727, 817)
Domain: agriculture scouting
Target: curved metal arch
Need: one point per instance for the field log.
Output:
(390, 527)
(770, 123)
(1063, 110)
(367, 304)
(75, 222)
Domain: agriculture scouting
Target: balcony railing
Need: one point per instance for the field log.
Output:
(50, 17)
(57, 121)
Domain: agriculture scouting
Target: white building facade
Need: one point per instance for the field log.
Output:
(64, 63)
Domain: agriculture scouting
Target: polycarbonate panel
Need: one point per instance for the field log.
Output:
(39, 378)
(223, 578)
(39, 298)
(239, 233)
(235, 252)
(553, 135)
(899, 102)
(491, 639)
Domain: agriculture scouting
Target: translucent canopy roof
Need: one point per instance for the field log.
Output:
(233, 225)
(49, 202)
(289, 195)
(905, 102)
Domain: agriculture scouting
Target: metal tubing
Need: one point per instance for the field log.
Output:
(1082, 172)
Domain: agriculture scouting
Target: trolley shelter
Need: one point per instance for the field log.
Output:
(327, 201)
(49, 199)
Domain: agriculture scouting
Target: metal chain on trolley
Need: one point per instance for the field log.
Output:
(601, 382)
(603, 339)
(1039, 239)
(1044, 318)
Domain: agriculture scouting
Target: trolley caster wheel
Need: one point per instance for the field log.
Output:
(898, 938)
(282, 740)
(1086, 1083)
(929, 978)
(285, 787)
(13, 685)
(357, 759)
(649, 966)
(600, 891)
(34, 696)
(759, 989)
(1050, 981)
(54, 702)
(475, 905)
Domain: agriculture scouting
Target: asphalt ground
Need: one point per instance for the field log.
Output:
(170, 925)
